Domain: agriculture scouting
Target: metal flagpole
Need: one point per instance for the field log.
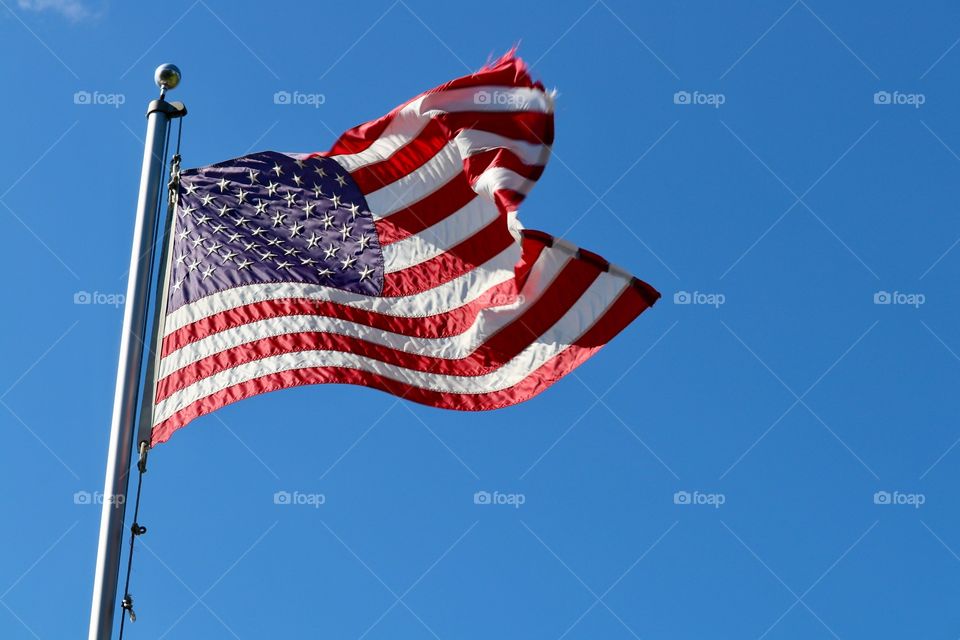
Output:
(122, 424)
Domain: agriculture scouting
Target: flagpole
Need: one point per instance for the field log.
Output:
(123, 422)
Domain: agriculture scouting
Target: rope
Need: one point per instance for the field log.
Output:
(136, 529)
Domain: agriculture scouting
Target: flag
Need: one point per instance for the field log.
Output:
(394, 260)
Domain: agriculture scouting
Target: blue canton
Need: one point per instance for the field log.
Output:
(269, 218)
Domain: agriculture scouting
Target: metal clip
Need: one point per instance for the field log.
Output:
(142, 462)
(127, 604)
(174, 185)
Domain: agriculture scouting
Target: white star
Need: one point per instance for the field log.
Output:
(327, 220)
(216, 246)
(258, 231)
(324, 273)
(335, 199)
(299, 162)
(279, 218)
(224, 210)
(178, 284)
(342, 181)
(307, 262)
(203, 218)
(272, 188)
(364, 273)
(283, 264)
(320, 171)
(290, 198)
(185, 211)
(291, 251)
(275, 242)
(191, 188)
(234, 237)
(330, 251)
(250, 246)
(308, 209)
(253, 175)
(297, 178)
(240, 221)
(261, 207)
(199, 240)
(206, 200)
(313, 241)
(347, 262)
(241, 195)
(244, 263)
(345, 231)
(317, 191)
(181, 258)
(354, 210)
(229, 255)
(277, 170)
(223, 184)
(363, 241)
(295, 229)
(208, 272)
(267, 255)
(217, 228)
(192, 266)
(184, 234)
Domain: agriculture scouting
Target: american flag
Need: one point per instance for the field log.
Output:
(395, 260)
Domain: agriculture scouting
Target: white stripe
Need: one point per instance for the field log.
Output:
(496, 178)
(444, 235)
(413, 117)
(474, 141)
(488, 321)
(430, 176)
(445, 297)
(554, 341)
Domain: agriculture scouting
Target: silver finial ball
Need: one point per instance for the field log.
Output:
(167, 76)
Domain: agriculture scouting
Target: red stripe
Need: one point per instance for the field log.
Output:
(498, 349)
(404, 161)
(427, 211)
(453, 322)
(531, 126)
(476, 164)
(627, 307)
(453, 263)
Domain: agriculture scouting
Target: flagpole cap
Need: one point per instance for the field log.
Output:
(167, 76)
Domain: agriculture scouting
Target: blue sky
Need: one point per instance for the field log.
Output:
(770, 452)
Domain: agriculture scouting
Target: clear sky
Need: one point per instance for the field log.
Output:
(776, 458)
